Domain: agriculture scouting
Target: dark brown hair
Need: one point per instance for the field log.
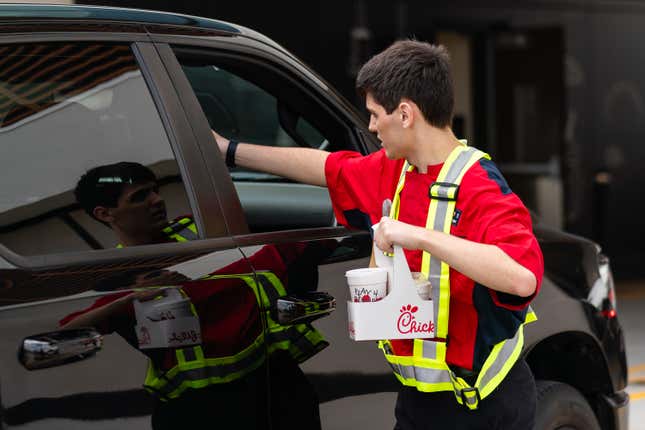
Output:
(103, 185)
(415, 70)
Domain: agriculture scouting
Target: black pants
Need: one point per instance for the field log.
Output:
(511, 406)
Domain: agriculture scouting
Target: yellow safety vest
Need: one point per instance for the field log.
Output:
(182, 230)
(426, 369)
(195, 370)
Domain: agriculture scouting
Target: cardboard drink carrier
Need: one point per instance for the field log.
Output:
(167, 322)
(401, 314)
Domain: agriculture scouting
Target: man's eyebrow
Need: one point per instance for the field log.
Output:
(144, 189)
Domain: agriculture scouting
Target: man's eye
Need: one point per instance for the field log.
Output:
(139, 196)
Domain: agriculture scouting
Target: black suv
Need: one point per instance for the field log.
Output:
(82, 87)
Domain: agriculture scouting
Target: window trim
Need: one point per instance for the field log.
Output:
(233, 211)
(199, 188)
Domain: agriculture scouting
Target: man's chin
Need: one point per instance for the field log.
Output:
(159, 224)
(391, 155)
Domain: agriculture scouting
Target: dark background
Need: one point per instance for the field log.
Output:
(566, 76)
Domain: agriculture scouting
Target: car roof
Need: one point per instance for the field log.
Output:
(23, 12)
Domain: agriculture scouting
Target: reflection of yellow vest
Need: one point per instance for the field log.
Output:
(181, 230)
(426, 369)
(194, 370)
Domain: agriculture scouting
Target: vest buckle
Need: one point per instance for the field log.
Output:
(470, 401)
(443, 191)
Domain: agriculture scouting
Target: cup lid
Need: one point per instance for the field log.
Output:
(367, 275)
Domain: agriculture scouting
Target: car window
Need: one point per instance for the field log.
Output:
(239, 109)
(70, 109)
(250, 102)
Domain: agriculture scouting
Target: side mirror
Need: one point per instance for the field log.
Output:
(304, 308)
(59, 347)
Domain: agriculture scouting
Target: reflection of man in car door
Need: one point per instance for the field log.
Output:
(222, 378)
(125, 197)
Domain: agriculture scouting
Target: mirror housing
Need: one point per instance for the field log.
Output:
(59, 347)
(304, 308)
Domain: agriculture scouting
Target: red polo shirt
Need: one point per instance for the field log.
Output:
(486, 212)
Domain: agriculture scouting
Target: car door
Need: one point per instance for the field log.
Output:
(69, 104)
(251, 92)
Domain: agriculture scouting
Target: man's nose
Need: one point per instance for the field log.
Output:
(155, 198)
(372, 125)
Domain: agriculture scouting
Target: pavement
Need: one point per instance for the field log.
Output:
(630, 306)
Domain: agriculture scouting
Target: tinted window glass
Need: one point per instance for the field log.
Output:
(253, 103)
(239, 108)
(67, 108)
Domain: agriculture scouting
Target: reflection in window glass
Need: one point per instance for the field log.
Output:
(240, 110)
(253, 105)
(66, 108)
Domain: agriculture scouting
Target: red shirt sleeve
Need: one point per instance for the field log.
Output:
(107, 325)
(503, 221)
(358, 185)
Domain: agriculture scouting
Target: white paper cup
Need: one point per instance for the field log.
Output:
(367, 285)
(424, 288)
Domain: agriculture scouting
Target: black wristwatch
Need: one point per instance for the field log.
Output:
(230, 153)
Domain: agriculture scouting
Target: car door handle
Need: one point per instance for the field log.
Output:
(304, 307)
(59, 347)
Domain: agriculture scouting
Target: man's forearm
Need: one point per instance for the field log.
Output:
(97, 316)
(305, 165)
(485, 264)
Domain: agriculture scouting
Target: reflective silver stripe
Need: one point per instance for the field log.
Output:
(434, 270)
(269, 289)
(189, 354)
(296, 338)
(429, 349)
(434, 276)
(442, 191)
(470, 399)
(422, 374)
(248, 363)
(458, 165)
(452, 175)
(187, 234)
(501, 359)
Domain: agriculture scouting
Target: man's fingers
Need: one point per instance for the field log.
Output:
(384, 245)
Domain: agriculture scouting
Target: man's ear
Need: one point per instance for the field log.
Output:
(102, 213)
(406, 111)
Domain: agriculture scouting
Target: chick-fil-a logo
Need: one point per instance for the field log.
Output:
(408, 324)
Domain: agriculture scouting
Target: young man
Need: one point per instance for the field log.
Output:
(459, 224)
(125, 197)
